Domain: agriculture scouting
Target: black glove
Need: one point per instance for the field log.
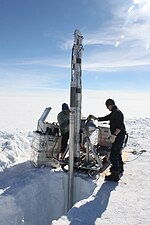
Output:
(92, 117)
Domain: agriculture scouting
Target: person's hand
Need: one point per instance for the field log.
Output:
(92, 117)
(112, 138)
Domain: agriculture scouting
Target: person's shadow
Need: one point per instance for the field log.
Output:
(88, 213)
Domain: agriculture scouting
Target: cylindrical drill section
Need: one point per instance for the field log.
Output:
(75, 111)
(77, 76)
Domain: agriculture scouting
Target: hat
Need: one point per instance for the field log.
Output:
(65, 107)
(109, 102)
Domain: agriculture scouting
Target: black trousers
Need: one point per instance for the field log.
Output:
(64, 141)
(116, 152)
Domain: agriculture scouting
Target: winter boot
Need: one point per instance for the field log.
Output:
(121, 170)
(111, 169)
(114, 176)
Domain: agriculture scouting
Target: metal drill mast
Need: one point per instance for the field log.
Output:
(75, 108)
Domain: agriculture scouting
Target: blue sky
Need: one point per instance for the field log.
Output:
(36, 38)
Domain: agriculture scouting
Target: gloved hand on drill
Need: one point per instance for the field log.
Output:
(92, 117)
(112, 138)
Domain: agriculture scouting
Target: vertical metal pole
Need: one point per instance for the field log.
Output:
(71, 136)
(75, 114)
(78, 93)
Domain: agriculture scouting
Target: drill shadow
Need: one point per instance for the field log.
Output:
(97, 206)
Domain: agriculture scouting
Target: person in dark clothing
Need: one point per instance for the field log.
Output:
(118, 131)
(63, 120)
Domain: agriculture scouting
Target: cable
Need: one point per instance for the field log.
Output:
(136, 153)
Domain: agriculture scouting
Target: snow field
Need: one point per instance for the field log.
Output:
(31, 196)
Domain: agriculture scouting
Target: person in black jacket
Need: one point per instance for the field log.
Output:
(118, 131)
(63, 120)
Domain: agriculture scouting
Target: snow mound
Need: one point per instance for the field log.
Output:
(14, 148)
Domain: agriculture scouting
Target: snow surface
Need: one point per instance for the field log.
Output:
(32, 196)
(126, 201)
